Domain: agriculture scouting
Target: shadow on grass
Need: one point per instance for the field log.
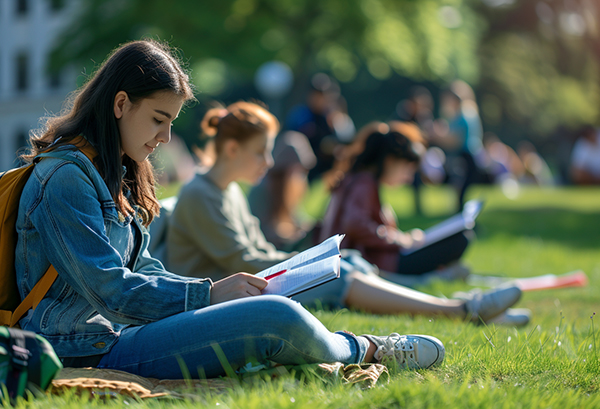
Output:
(573, 228)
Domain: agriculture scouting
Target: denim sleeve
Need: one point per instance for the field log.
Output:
(70, 221)
(198, 296)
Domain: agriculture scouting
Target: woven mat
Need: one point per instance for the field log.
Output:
(111, 383)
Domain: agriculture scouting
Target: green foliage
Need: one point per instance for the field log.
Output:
(408, 37)
(421, 40)
(534, 64)
(523, 71)
(539, 63)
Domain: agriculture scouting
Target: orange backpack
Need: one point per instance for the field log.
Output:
(12, 183)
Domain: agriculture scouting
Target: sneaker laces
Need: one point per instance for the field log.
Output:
(399, 348)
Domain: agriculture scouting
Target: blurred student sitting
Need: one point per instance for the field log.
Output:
(390, 158)
(275, 200)
(585, 157)
(535, 169)
(325, 122)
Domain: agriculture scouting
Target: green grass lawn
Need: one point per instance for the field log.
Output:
(551, 363)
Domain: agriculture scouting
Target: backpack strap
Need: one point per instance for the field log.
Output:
(37, 293)
(41, 288)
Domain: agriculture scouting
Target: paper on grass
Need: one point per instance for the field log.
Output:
(305, 270)
(462, 221)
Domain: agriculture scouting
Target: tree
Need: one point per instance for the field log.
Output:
(534, 63)
(426, 39)
(540, 63)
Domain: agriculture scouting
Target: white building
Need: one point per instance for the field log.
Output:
(28, 30)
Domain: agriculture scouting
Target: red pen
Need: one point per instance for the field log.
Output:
(270, 276)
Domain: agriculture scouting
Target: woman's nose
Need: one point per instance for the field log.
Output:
(164, 136)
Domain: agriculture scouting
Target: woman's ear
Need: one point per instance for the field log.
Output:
(231, 148)
(121, 103)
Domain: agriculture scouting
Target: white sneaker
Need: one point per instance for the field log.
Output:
(514, 317)
(487, 305)
(409, 351)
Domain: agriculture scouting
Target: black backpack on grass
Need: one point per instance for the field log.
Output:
(28, 363)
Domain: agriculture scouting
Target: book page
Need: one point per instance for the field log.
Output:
(299, 279)
(455, 224)
(328, 248)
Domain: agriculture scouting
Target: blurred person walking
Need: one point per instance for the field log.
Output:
(418, 109)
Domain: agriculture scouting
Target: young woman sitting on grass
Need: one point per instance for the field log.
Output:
(212, 232)
(389, 158)
(112, 305)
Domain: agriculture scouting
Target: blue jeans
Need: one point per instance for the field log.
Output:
(258, 329)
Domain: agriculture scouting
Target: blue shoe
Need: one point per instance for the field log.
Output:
(487, 305)
(513, 317)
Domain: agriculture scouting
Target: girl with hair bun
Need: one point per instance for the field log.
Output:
(213, 233)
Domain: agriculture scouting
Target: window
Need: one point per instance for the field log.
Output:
(22, 7)
(22, 71)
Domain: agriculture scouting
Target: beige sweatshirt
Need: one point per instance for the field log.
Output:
(212, 233)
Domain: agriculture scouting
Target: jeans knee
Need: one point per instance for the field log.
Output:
(286, 316)
(282, 306)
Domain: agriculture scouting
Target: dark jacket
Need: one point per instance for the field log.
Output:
(355, 210)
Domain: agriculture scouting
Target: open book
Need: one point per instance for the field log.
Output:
(462, 221)
(305, 270)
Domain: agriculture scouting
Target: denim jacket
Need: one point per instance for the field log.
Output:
(106, 277)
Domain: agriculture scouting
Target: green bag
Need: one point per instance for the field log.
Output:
(27, 363)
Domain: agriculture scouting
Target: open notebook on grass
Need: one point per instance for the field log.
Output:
(462, 221)
(305, 270)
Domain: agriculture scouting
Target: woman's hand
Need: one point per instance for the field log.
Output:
(239, 285)
(395, 236)
(412, 239)
(404, 240)
(418, 237)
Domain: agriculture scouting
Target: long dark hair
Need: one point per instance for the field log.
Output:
(140, 68)
(379, 146)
